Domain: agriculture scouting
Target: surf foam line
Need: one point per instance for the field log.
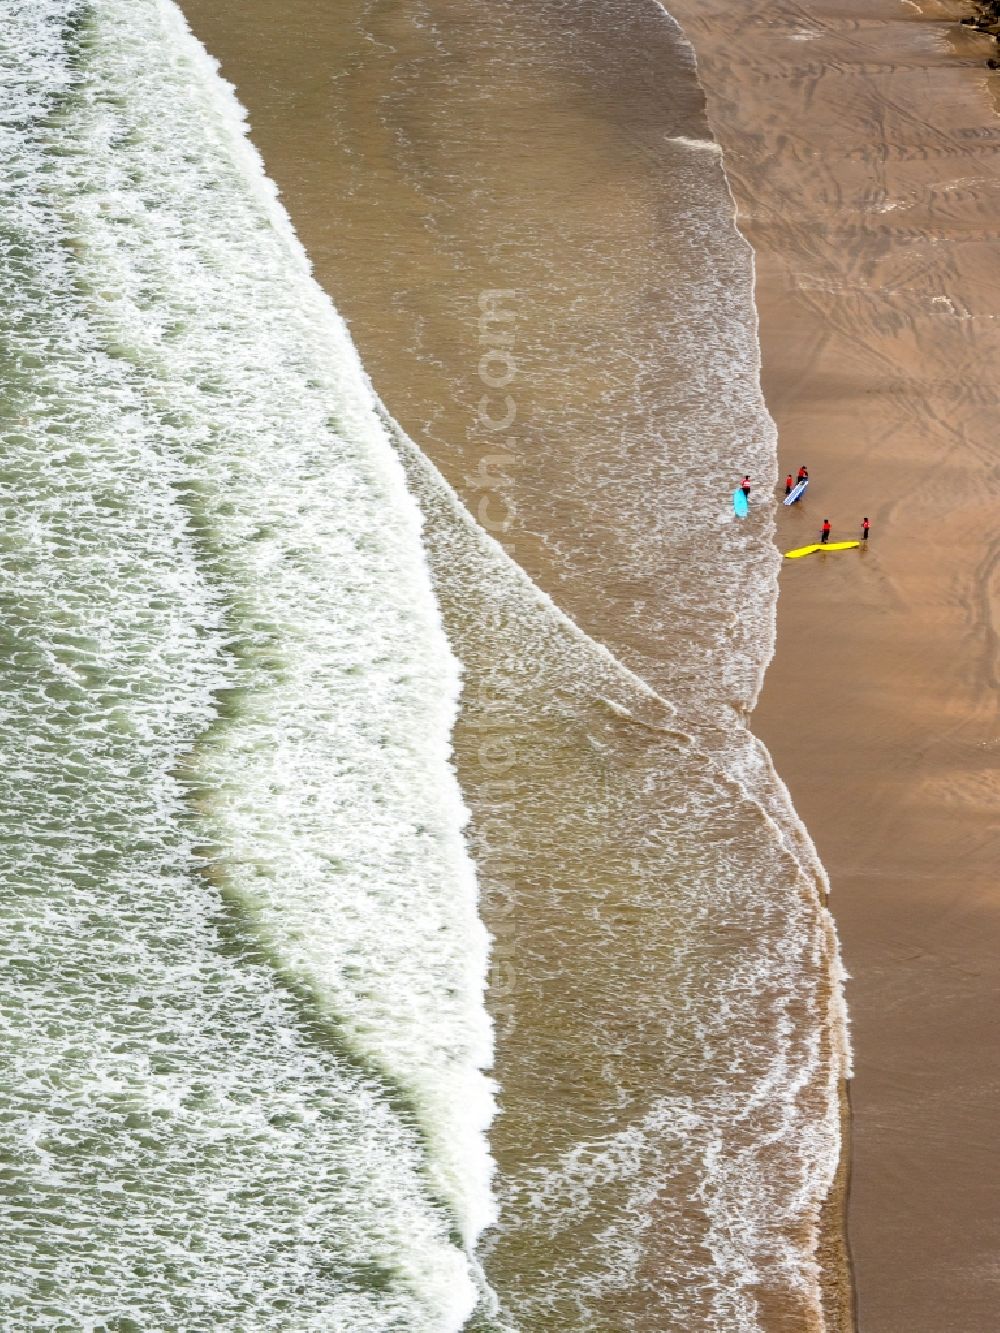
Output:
(323, 795)
(733, 1236)
(738, 1233)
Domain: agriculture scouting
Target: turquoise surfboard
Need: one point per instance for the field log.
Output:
(739, 503)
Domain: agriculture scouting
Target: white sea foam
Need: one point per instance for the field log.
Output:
(702, 145)
(224, 639)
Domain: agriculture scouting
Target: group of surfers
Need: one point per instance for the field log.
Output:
(803, 475)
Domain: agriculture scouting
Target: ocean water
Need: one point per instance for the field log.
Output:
(259, 1028)
(243, 970)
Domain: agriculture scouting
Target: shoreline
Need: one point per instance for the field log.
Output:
(837, 1284)
(841, 181)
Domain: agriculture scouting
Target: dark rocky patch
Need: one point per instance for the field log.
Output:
(986, 19)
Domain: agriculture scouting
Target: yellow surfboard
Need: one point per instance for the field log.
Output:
(819, 546)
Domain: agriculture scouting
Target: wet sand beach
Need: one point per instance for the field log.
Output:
(864, 152)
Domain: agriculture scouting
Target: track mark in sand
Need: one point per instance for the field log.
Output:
(986, 598)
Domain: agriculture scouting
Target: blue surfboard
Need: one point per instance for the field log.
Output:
(739, 503)
(797, 493)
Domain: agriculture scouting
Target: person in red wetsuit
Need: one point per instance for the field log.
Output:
(745, 487)
(864, 529)
(803, 474)
(824, 535)
(788, 484)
